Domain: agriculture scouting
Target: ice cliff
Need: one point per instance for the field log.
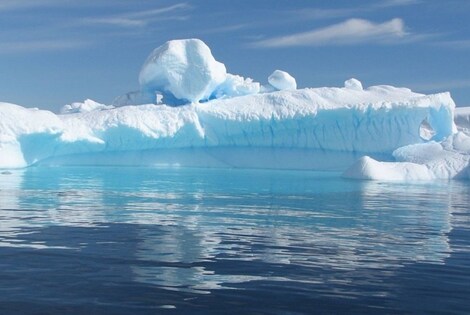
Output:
(379, 119)
(213, 118)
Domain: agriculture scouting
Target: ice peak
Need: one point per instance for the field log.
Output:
(182, 69)
(282, 80)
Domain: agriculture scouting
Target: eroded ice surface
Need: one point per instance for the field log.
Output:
(424, 161)
(379, 119)
(185, 69)
(449, 158)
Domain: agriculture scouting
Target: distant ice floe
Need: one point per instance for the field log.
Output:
(195, 113)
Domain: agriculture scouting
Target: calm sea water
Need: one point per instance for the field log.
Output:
(200, 241)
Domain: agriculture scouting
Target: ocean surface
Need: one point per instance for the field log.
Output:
(126, 240)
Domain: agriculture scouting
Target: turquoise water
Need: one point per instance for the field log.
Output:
(110, 240)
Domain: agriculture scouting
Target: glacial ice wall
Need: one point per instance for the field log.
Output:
(378, 119)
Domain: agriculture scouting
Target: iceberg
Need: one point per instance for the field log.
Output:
(377, 120)
(197, 114)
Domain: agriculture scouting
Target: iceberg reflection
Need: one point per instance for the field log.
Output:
(197, 230)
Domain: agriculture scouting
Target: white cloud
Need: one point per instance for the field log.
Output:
(330, 13)
(396, 3)
(320, 14)
(141, 18)
(352, 31)
(115, 21)
(160, 11)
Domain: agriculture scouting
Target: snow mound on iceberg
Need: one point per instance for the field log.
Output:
(85, 107)
(282, 80)
(184, 69)
(353, 84)
(368, 168)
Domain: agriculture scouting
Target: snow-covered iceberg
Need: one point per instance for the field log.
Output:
(229, 120)
(377, 120)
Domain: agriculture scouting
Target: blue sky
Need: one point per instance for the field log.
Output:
(54, 52)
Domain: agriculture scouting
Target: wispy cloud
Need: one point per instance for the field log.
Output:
(352, 31)
(41, 46)
(142, 18)
(321, 14)
(396, 3)
(114, 21)
(66, 32)
(330, 13)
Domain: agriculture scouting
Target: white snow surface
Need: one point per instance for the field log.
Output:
(280, 129)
